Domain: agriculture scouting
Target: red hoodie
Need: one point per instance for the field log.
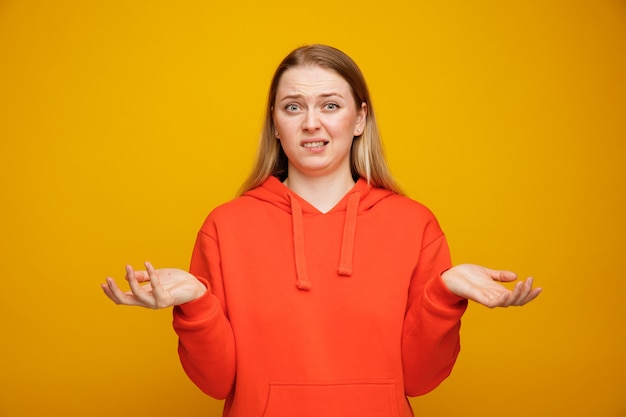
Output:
(339, 314)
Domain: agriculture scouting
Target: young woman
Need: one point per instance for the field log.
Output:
(321, 290)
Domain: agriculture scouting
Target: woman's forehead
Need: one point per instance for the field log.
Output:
(312, 80)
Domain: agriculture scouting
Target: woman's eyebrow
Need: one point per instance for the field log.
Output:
(299, 95)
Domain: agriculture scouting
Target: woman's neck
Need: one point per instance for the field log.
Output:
(323, 192)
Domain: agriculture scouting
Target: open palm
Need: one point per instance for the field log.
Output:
(482, 285)
(155, 288)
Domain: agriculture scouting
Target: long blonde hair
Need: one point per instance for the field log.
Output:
(367, 157)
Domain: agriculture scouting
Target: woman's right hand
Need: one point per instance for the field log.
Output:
(155, 288)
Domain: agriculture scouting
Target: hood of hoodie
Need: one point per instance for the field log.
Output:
(361, 198)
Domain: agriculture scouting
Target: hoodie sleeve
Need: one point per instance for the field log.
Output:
(206, 344)
(430, 339)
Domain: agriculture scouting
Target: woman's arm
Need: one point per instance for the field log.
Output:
(206, 341)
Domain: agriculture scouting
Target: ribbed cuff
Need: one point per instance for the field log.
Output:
(439, 295)
(198, 309)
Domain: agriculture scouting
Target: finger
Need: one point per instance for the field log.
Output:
(494, 298)
(520, 292)
(502, 276)
(107, 292)
(517, 294)
(141, 276)
(534, 293)
(140, 294)
(158, 291)
(112, 291)
(525, 293)
(116, 294)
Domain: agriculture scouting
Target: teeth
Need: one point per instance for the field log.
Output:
(318, 144)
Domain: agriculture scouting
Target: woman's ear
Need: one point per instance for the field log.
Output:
(274, 123)
(360, 120)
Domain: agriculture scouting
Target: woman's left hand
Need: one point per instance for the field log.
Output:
(481, 285)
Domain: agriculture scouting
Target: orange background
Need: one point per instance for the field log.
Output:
(123, 123)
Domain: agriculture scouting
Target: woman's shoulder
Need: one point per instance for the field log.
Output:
(237, 207)
(404, 205)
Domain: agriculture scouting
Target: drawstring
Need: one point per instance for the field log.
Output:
(349, 230)
(347, 242)
(302, 279)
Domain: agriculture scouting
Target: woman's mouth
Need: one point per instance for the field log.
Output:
(316, 144)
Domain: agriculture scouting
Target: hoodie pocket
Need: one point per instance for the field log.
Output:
(351, 399)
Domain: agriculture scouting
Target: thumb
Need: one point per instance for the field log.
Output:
(502, 276)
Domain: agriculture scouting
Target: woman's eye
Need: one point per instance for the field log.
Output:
(332, 106)
(291, 107)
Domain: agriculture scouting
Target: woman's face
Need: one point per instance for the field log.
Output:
(316, 120)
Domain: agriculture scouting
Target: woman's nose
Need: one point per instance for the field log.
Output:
(311, 121)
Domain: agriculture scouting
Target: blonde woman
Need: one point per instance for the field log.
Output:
(321, 290)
